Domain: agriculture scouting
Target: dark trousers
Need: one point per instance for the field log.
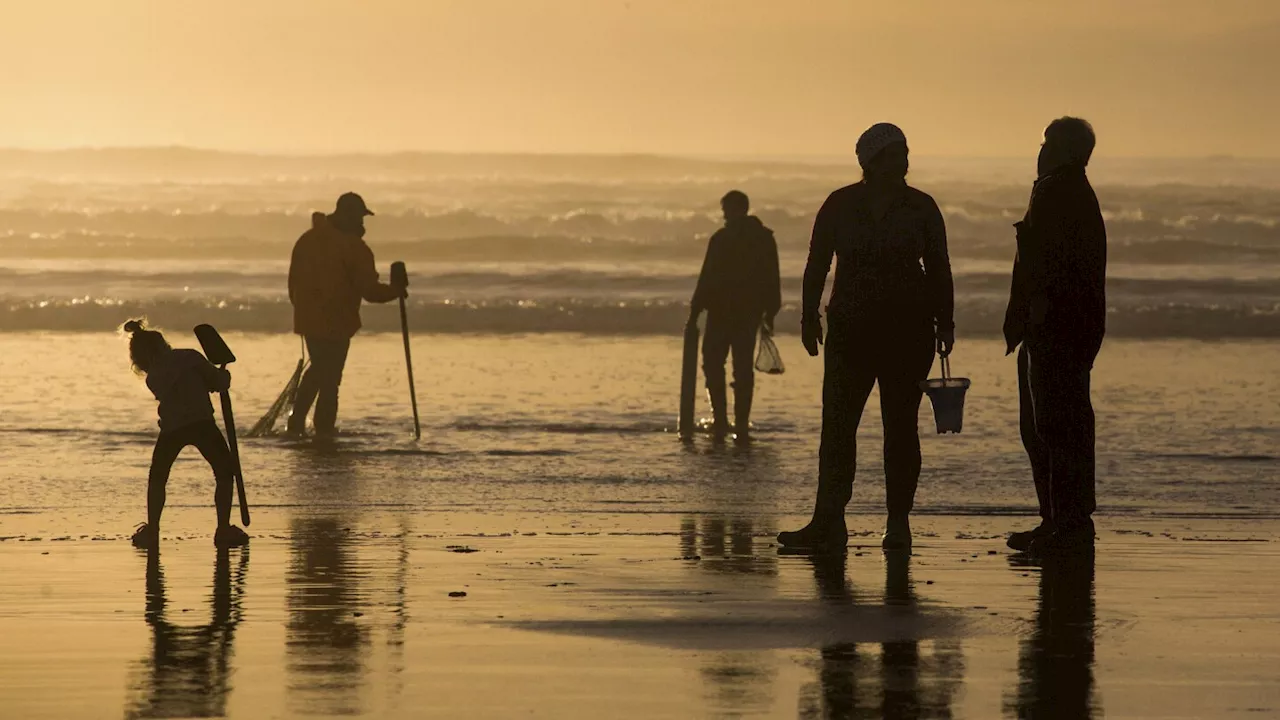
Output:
(725, 335)
(207, 438)
(1057, 426)
(857, 359)
(320, 385)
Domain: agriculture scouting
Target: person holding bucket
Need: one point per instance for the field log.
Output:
(891, 306)
(1057, 313)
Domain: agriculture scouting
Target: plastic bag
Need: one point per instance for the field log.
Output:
(768, 359)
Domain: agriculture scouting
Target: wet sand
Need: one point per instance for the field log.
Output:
(636, 615)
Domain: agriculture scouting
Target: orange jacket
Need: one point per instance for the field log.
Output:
(330, 273)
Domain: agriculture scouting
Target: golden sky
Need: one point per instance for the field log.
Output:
(737, 77)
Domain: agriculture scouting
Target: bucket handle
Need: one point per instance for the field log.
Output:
(946, 368)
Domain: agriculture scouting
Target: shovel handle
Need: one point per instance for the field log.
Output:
(229, 419)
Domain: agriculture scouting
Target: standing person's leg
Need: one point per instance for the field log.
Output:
(743, 344)
(168, 446)
(716, 340)
(1071, 486)
(1065, 423)
(212, 445)
(1037, 454)
(905, 362)
(335, 352)
(308, 388)
(848, 378)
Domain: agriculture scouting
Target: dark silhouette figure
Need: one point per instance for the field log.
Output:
(331, 272)
(740, 289)
(326, 644)
(891, 303)
(188, 673)
(905, 684)
(1055, 664)
(1057, 313)
(181, 381)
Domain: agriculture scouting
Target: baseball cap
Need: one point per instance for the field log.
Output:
(352, 204)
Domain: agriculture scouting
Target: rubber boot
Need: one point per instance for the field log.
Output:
(719, 397)
(897, 533)
(825, 533)
(742, 395)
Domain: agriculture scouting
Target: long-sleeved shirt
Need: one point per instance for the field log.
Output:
(740, 272)
(329, 274)
(1058, 296)
(891, 270)
(181, 381)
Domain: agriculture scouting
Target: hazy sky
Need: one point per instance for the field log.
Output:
(741, 77)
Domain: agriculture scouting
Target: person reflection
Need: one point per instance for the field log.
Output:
(725, 545)
(326, 642)
(737, 682)
(188, 672)
(904, 684)
(1055, 663)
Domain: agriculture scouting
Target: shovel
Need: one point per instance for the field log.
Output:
(219, 354)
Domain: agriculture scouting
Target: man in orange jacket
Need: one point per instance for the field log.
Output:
(331, 272)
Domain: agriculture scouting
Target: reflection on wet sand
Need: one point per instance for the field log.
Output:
(738, 680)
(326, 640)
(188, 672)
(1055, 663)
(725, 545)
(903, 684)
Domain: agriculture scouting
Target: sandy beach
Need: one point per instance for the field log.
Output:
(638, 616)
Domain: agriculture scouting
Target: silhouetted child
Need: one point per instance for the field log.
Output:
(181, 380)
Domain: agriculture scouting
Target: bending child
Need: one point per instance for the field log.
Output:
(181, 381)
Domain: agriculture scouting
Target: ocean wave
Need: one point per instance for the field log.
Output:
(975, 316)
(992, 244)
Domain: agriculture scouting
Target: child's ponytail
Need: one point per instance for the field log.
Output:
(144, 344)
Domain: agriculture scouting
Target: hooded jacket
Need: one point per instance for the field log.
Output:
(1058, 301)
(740, 272)
(330, 273)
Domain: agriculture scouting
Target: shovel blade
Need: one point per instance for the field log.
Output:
(214, 347)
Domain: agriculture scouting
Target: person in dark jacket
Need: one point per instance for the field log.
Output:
(330, 273)
(1057, 314)
(740, 289)
(891, 306)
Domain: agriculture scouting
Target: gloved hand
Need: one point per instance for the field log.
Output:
(811, 334)
(946, 341)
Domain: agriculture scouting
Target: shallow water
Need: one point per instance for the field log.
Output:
(566, 423)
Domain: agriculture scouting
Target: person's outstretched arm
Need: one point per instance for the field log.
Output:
(937, 272)
(365, 278)
(822, 249)
(773, 278)
(215, 378)
(293, 270)
(709, 262)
